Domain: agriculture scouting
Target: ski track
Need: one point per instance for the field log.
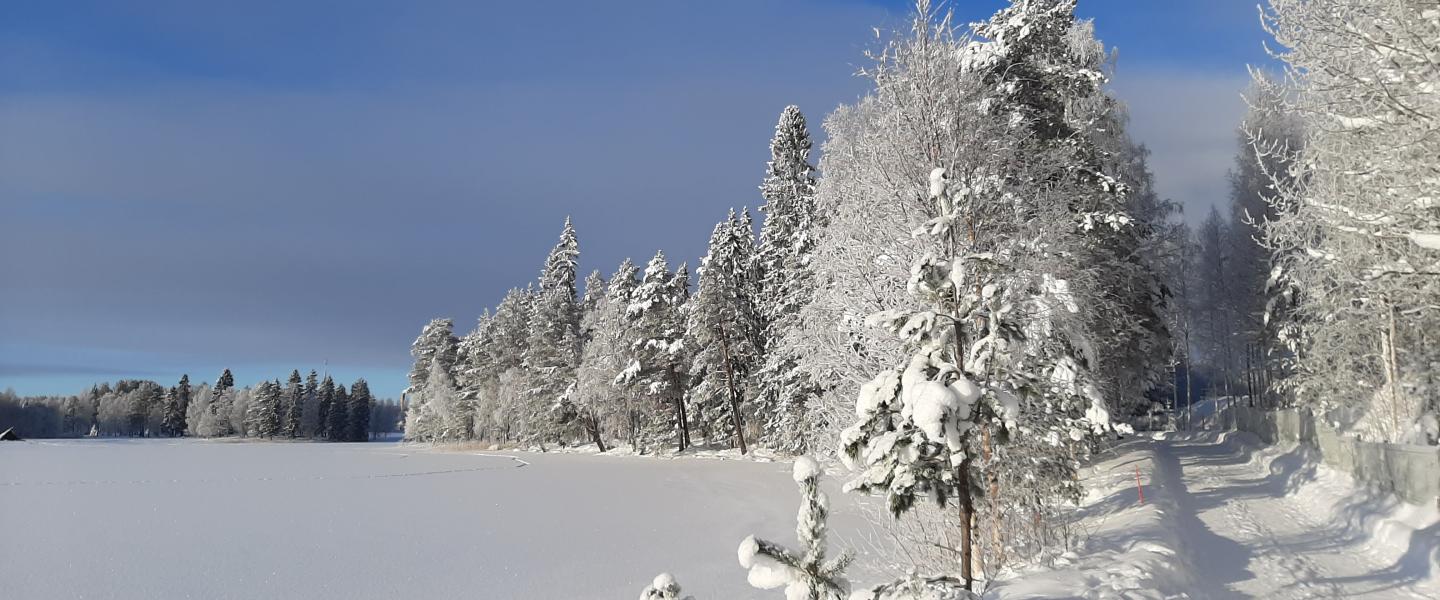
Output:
(1290, 551)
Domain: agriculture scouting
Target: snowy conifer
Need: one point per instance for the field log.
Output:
(293, 406)
(594, 395)
(806, 575)
(215, 421)
(609, 352)
(324, 400)
(553, 350)
(437, 344)
(338, 417)
(176, 407)
(785, 279)
(723, 327)
(358, 421)
(437, 341)
(657, 365)
(439, 416)
(310, 413)
(262, 417)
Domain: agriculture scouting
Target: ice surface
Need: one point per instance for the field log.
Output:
(156, 519)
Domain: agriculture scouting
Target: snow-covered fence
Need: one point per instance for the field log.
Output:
(1411, 472)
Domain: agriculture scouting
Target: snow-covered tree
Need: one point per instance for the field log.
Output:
(600, 388)
(724, 329)
(358, 423)
(437, 343)
(1356, 237)
(656, 349)
(1005, 200)
(552, 352)
(338, 416)
(325, 401)
(262, 417)
(310, 415)
(593, 398)
(176, 407)
(785, 281)
(215, 421)
(292, 405)
(805, 575)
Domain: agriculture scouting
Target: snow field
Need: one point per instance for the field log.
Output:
(154, 519)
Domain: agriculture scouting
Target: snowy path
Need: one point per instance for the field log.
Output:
(1266, 523)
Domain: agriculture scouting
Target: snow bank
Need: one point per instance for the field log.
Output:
(1127, 549)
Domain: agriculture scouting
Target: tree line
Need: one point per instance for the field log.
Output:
(1047, 291)
(312, 408)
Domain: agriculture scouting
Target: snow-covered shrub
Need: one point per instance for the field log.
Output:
(804, 576)
(663, 588)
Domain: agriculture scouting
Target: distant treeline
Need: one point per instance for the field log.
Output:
(309, 408)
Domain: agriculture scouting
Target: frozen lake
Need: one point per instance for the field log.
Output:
(154, 519)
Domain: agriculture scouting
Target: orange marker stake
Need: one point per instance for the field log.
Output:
(1137, 484)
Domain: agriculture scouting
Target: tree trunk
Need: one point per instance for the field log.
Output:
(967, 533)
(593, 425)
(734, 394)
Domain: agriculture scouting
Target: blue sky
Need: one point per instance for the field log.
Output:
(186, 186)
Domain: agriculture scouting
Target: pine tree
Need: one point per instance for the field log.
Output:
(610, 365)
(338, 418)
(552, 353)
(222, 399)
(310, 417)
(325, 400)
(592, 396)
(437, 341)
(358, 425)
(723, 326)
(806, 576)
(176, 407)
(785, 279)
(262, 418)
(293, 405)
(656, 368)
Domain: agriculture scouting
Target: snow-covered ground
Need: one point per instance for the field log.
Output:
(1226, 517)
(158, 519)
(1223, 517)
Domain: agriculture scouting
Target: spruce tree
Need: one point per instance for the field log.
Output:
(552, 353)
(325, 401)
(359, 411)
(806, 575)
(221, 402)
(722, 327)
(612, 365)
(338, 418)
(591, 398)
(657, 368)
(437, 341)
(309, 420)
(176, 408)
(262, 417)
(785, 279)
(294, 406)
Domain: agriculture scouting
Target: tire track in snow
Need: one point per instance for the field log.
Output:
(1249, 501)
